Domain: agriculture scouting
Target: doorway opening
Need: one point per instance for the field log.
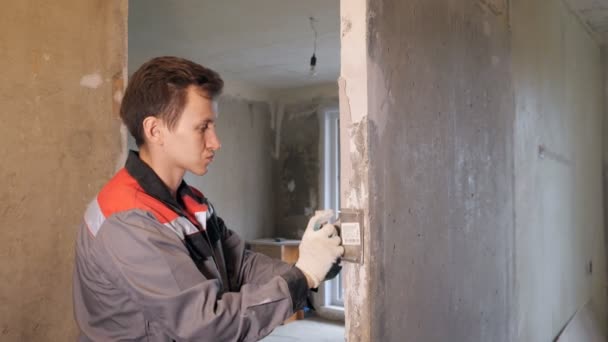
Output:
(278, 120)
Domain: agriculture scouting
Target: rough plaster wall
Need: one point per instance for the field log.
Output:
(239, 182)
(440, 170)
(558, 196)
(60, 143)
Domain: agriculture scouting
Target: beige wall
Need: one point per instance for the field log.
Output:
(557, 79)
(60, 142)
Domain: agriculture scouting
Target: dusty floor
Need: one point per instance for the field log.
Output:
(310, 329)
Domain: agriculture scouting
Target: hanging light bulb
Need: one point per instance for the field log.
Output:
(313, 58)
(313, 65)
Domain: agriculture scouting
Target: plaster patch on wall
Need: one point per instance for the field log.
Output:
(357, 193)
(92, 81)
(119, 87)
(360, 163)
(304, 112)
(358, 296)
(344, 96)
(122, 158)
(346, 26)
(496, 7)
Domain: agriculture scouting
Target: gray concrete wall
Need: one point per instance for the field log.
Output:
(440, 130)
(239, 182)
(485, 170)
(62, 73)
(557, 78)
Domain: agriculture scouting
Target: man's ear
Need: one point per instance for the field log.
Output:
(153, 130)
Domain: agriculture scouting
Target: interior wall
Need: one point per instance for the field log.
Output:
(298, 169)
(61, 141)
(440, 130)
(560, 243)
(297, 166)
(240, 182)
(485, 165)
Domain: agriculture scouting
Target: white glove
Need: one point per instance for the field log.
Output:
(319, 249)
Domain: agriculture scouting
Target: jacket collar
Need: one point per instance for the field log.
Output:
(152, 184)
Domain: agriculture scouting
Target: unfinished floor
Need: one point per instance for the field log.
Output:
(307, 330)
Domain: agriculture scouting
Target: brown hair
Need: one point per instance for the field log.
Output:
(159, 88)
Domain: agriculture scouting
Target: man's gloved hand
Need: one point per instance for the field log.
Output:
(319, 249)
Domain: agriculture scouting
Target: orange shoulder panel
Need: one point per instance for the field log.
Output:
(123, 193)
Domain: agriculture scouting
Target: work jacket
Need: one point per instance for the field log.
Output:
(154, 267)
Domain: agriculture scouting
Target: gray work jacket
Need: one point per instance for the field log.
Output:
(149, 269)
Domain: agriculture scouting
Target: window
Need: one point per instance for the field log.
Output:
(330, 123)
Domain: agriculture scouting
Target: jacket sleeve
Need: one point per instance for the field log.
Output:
(150, 262)
(245, 266)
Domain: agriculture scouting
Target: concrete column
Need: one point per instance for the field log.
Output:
(427, 119)
(64, 67)
(441, 119)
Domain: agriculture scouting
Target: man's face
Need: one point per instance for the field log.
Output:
(192, 143)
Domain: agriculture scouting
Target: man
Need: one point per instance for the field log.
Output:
(154, 262)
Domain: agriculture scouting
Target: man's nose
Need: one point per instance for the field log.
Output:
(213, 141)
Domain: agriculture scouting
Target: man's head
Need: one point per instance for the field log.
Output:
(168, 107)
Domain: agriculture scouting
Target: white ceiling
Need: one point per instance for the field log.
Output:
(265, 43)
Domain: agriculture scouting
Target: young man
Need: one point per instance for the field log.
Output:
(153, 260)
